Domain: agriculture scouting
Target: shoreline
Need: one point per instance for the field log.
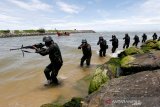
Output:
(40, 34)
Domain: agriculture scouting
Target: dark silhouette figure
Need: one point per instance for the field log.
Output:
(114, 41)
(103, 46)
(159, 39)
(144, 38)
(136, 40)
(126, 41)
(87, 53)
(51, 71)
(154, 36)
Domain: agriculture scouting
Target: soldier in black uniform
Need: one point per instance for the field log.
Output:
(136, 40)
(114, 43)
(103, 46)
(127, 41)
(144, 38)
(87, 53)
(154, 36)
(51, 71)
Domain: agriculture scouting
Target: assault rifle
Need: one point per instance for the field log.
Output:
(35, 46)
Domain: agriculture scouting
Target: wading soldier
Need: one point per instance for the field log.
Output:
(51, 71)
(103, 46)
(87, 53)
(154, 36)
(144, 38)
(126, 41)
(136, 40)
(114, 41)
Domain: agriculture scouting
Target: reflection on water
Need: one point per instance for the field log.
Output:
(22, 79)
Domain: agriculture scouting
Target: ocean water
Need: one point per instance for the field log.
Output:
(22, 78)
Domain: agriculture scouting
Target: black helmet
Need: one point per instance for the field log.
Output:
(126, 34)
(113, 36)
(101, 37)
(84, 41)
(47, 39)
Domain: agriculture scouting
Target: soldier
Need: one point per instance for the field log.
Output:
(159, 39)
(154, 36)
(51, 71)
(144, 38)
(87, 53)
(127, 41)
(136, 40)
(103, 46)
(114, 41)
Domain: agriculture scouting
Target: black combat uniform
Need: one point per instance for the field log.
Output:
(87, 53)
(51, 71)
(103, 46)
(154, 36)
(144, 38)
(114, 43)
(127, 41)
(136, 40)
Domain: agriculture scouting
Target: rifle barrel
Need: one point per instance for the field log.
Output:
(15, 49)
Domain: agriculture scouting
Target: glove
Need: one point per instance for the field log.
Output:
(38, 51)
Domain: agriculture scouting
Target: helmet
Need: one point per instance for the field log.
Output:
(47, 39)
(84, 41)
(126, 34)
(101, 37)
(113, 36)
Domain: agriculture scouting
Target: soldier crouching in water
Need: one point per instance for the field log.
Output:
(114, 41)
(87, 53)
(51, 71)
(103, 46)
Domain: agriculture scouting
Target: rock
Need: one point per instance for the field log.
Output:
(158, 45)
(140, 62)
(150, 45)
(104, 73)
(126, 61)
(99, 77)
(75, 102)
(113, 64)
(133, 90)
(130, 51)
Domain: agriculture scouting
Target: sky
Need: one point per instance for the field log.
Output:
(98, 15)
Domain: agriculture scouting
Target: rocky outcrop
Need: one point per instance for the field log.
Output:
(130, 51)
(140, 62)
(103, 74)
(150, 45)
(98, 79)
(141, 89)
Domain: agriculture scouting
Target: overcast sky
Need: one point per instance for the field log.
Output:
(99, 15)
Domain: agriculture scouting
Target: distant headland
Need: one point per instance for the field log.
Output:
(21, 33)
